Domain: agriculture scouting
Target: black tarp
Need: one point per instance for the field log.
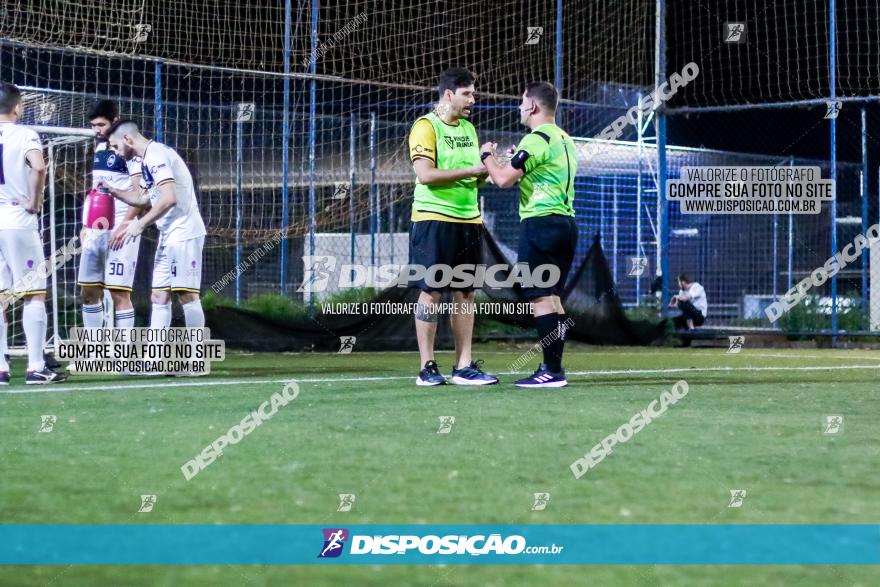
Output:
(589, 299)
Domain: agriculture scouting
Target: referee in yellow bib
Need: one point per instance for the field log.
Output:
(447, 229)
(544, 163)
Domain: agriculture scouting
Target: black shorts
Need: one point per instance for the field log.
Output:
(547, 240)
(433, 242)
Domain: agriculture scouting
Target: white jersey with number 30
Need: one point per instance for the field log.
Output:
(162, 164)
(15, 143)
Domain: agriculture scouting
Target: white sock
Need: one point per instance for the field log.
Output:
(34, 321)
(4, 366)
(93, 315)
(161, 316)
(193, 314)
(124, 318)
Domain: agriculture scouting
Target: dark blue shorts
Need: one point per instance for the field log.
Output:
(548, 240)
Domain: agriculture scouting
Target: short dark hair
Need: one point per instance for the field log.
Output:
(10, 96)
(685, 277)
(454, 78)
(130, 124)
(545, 94)
(104, 109)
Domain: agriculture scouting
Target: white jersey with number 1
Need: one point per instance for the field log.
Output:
(15, 143)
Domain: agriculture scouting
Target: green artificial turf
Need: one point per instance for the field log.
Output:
(750, 421)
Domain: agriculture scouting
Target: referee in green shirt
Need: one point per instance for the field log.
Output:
(545, 163)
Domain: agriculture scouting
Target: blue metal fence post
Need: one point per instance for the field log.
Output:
(559, 45)
(313, 223)
(238, 206)
(285, 148)
(373, 189)
(639, 130)
(790, 239)
(352, 177)
(865, 302)
(660, 121)
(159, 122)
(775, 254)
(832, 75)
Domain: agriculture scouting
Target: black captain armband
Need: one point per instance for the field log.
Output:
(518, 161)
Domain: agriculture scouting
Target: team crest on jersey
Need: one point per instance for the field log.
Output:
(449, 142)
(111, 160)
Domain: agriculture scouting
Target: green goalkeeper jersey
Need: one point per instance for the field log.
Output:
(549, 166)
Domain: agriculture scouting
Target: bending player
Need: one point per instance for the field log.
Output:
(22, 179)
(172, 206)
(447, 228)
(102, 267)
(545, 163)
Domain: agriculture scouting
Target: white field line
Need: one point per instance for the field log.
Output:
(61, 388)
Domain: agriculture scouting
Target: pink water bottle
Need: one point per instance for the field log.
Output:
(99, 208)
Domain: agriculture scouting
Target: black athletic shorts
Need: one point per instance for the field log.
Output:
(433, 242)
(547, 240)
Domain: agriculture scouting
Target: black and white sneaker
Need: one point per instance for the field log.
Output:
(51, 362)
(544, 378)
(430, 375)
(43, 377)
(4, 377)
(472, 375)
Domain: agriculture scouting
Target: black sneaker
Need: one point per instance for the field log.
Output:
(4, 377)
(472, 375)
(430, 375)
(51, 363)
(43, 377)
(543, 377)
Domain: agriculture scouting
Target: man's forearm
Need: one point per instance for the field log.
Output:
(132, 213)
(439, 177)
(131, 197)
(37, 183)
(501, 175)
(159, 209)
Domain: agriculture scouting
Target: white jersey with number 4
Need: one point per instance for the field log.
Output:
(160, 165)
(15, 143)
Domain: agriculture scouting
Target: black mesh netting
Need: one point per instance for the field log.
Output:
(589, 299)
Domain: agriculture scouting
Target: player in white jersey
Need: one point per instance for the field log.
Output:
(102, 267)
(22, 180)
(174, 209)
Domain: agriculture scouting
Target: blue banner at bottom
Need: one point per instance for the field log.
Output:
(710, 544)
